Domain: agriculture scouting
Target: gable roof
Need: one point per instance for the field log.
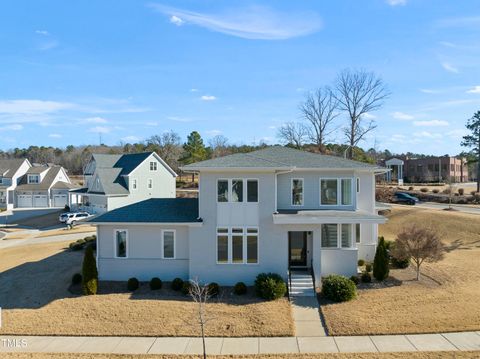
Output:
(279, 157)
(154, 210)
(9, 167)
(112, 182)
(44, 185)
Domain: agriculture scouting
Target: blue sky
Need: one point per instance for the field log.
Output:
(70, 71)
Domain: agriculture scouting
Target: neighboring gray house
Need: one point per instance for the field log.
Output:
(11, 172)
(266, 211)
(114, 181)
(43, 187)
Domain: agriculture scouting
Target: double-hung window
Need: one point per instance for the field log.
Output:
(168, 244)
(336, 191)
(237, 245)
(297, 192)
(153, 166)
(121, 243)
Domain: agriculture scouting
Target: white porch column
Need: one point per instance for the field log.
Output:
(317, 255)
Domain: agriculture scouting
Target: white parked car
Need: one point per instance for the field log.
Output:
(64, 216)
(73, 218)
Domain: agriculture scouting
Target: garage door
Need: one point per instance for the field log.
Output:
(24, 201)
(40, 200)
(59, 200)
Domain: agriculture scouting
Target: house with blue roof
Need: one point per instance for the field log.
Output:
(113, 181)
(274, 210)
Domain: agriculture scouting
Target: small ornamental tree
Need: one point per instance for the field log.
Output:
(89, 273)
(380, 262)
(420, 244)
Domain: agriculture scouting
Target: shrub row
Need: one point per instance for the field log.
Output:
(82, 243)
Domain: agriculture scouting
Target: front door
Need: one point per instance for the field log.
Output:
(297, 249)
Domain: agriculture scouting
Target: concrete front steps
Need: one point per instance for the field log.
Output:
(301, 284)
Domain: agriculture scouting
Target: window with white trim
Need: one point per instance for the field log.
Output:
(134, 184)
(121, 243)
(297, 191)
(33, 179)
(222, 190)
(237, 190)
(358, 184)
(336, 235)
(168, 244)
(252, 190)
(357, 232)
(237, 245)
(150, 183)
(336, 191)
(153, 166)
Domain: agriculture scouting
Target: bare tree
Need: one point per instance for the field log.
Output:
(320, 109)
(168, 147)
(293, 133)
(219, 146)
(201, 294)
(420, 244)
(359, 92)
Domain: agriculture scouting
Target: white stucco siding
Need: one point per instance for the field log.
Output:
(144, 253)
(366, 195)
(339, 261)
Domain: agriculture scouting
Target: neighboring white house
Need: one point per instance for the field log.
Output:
(114, 181)
(11, 172)
(265, 211)
(43, 187)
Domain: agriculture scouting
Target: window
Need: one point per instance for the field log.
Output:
(150, 183)
(346, 236)
(222, 190)
(328, 192)
(237, 245)
(252, 191)
(134, 184)
(33, 179)
(121, 243)
(237, 190)
(297, 192)
(168, 239)
(357, 233)
(358, 185)
(452, 167)
(222, 245)
(346, 191)
(153, 166)
(329, 235)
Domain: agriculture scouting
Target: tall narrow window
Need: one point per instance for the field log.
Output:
(329, 235)
(328, 192)
(150, 183)
(168, 244)
(237, 245)
(346, 236)
(252, 245)
(222, 190)
(346, 191)
(237, 190)
(134, 184)
(358, 184)
(121, 244)
(297, 192)
(357, 232)
(222, 245)
(252, 191)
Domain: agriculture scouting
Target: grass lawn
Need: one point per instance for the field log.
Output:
(83, 228)
(36, 301)
(409, 355)
(446, 298)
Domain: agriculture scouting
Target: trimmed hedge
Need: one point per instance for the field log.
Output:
(133, 284)
(186, 287)
(177, 284)
(338, 288)
(270, 286)
(156, 283)
(240, 288)
(213, 289)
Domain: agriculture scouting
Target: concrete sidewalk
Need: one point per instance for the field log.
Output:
(238, 346)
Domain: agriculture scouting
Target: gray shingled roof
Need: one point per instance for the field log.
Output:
(278, 157)
(37, 170)
(9, 167)
(155, 210)
(44, 185)
(112, 182)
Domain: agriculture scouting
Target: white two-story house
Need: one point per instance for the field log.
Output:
(11, 172)
(266, 211)
(113, 181)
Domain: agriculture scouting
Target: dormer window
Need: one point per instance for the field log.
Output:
(33, 179)
(153, 166)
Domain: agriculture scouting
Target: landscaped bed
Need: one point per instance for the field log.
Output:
(444, 300)
(36, 301)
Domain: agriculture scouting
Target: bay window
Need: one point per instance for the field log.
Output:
(337, 235)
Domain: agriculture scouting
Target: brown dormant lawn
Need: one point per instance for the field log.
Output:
(408, 355)
(35, 301)
(446, 298)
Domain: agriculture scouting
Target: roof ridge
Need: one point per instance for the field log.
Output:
(249, 154)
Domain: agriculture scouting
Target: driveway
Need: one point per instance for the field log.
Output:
(465, 208)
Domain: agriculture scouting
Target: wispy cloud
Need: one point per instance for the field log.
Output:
(100, 129)
(402, 116)
(213, 132)
(255, 22)
(208, 98)
(55, 135)
(431, 123)
(474, 89)
(42, 32)
(427, 134)
(396, 2)
(32, 107)
(369, 116)
(449, 67)
(194, 90)
(178, 119)
(131, 139)
(430, 91)
(95, 120)
(12, 127)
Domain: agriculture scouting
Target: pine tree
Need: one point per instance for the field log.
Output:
(89, 272)
(473, 141)
(194, 150)
(380, 263)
